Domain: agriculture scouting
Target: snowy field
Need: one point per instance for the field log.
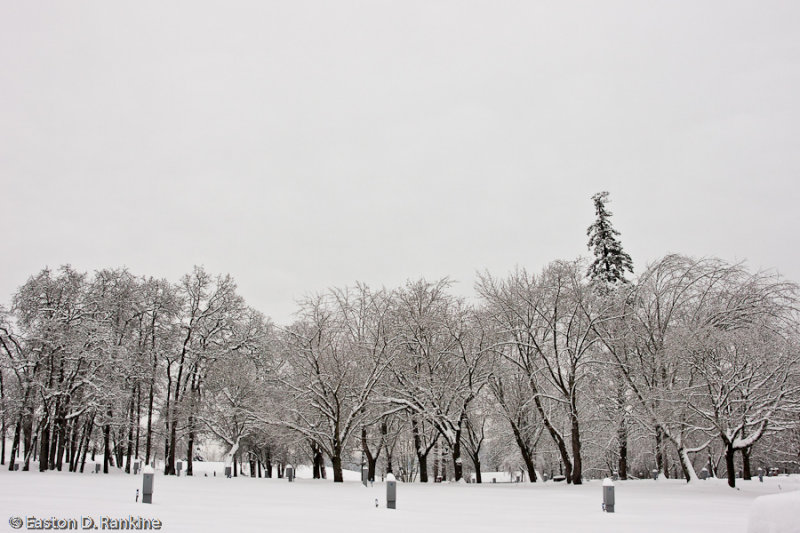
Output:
(215, 504)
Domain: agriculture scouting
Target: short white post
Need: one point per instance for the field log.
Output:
(147, 484)
(391, 492)
(608, 495)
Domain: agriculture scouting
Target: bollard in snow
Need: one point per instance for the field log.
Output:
(290, 473)
(147, 484)
(608, 495)
(137, 495)
(704, 473)
(655, 474)
(761, 474)
(391, 492)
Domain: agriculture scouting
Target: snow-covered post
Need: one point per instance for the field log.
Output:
(147, 484)
(761, 474)
(364, 471)
(290, 473)
(608, 495)
(655, 474)
(704, 473)
(391, 491)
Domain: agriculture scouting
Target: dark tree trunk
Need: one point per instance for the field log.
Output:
(577, 463)
(190, 448)
(422, 459)
(422, 453)
(76, 443)
(436, 453)
(15, 444)
(87, 437)
(556, 436)
(457, 466)
(259, 469)
(268, 463)
(730, 466)
(622, 436)
(106, 447)
(526, 452)
(44, 451)
(27, 433)
(622, 429)
(660, 453)
(372, 460)
(119, 451)
(235, 469)
(336, 461)
(138, 417)
(131, 418)
(61, 434)
(476, 463)
(149, 436)
(319, 464)
(746, 474)
(252, 467)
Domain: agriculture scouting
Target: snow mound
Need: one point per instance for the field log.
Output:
(776, 513)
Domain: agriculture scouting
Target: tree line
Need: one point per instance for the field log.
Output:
(568, 373)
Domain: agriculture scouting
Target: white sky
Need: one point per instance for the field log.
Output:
(302, 145)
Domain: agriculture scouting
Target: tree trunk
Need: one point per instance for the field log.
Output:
(730, 466)
(526, 452)
(457, 466)
(476, 463)
(577, 463)
(746, 475)
(422, 454)
(27, 432)
(15, 444)
(61, 433)
(131, 418)
(88, 437)
(622, 436)
(660, 454)
(138, 417)
(190, 448)
(422, 459)
(149, 437)
(556, 436)
(336, 460)
(44, 451)
(107, 447)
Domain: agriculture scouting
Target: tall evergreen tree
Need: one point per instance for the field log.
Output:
(610, 260)
(608, 271)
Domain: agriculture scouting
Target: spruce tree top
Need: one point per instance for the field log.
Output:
(610, 260)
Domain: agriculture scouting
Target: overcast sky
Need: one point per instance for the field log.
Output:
(303, 145)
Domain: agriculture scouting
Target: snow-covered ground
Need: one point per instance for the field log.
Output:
(213, 504)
